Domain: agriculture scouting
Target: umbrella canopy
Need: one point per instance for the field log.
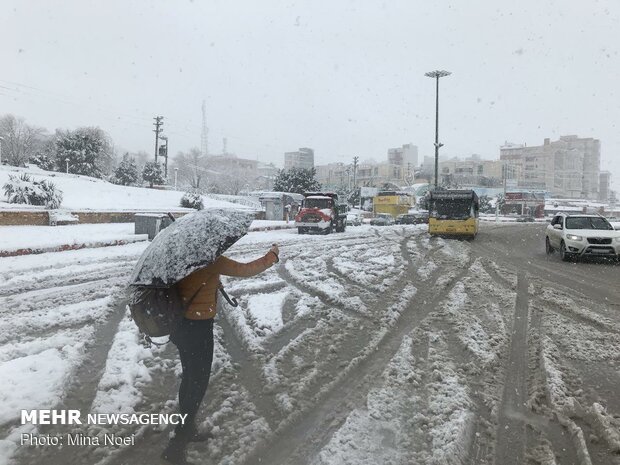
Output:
(190, 243)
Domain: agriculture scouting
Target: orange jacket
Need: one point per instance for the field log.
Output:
(203, 307)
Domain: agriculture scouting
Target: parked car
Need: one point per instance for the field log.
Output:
(412, 218)
(382, 219)
(582, 235)
(354, 219)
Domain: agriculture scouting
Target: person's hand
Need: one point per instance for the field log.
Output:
(276, 251)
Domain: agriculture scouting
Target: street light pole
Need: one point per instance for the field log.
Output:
(436, 75)
(176, 174)
(1, 139)
(67, 162)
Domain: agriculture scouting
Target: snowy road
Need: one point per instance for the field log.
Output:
(379, 345)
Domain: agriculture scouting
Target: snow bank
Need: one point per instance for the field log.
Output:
(36, 237)
(105, 196)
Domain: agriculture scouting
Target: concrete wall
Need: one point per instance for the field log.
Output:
(41, 217)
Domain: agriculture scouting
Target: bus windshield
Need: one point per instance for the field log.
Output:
(452, 209)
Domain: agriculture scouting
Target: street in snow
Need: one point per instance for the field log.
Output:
(378, 345)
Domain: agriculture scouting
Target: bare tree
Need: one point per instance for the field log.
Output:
(231, 182)
(192, 168)
(21, 140)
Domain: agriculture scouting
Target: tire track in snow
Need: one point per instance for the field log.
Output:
(28, 283)
(307, 432)
(555, 307)
(250, 373)
(541, 429)
(510, 448)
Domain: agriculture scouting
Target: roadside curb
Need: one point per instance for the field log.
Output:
(75, 246)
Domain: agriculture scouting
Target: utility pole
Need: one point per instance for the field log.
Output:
(355, 160)
(436, 75)
(159, 122)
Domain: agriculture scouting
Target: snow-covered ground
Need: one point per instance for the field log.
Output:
(38, 237)
(43, 237)
(103, 195)
(377, 345)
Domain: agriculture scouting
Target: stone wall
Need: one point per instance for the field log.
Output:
(23, 218)
(41, 217)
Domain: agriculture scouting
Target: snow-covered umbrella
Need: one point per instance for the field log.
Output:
(188, 244)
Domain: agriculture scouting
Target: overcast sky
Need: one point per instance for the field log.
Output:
(343, 77)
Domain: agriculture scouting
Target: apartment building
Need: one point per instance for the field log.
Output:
(471, 171)
(604, 190)
(302, 158)
(568, 167)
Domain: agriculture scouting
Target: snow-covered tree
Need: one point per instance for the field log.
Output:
(501, 201)
(296, 180)
(24, 189)
(192, 200)
(354, 197)
(20, 140)
(126, 173)
(485, 204)
(45, 155)
(153, 174)
(87, 151)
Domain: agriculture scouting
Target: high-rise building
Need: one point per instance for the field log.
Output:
(334, 175)
(303, 158)
(405, 157)
(604, 189)
(568, 167)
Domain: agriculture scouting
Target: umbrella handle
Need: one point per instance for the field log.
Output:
(231, 301)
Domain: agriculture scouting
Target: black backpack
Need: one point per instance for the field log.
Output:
(157, 311)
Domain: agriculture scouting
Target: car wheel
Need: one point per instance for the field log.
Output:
(564, 255)
(548, 247)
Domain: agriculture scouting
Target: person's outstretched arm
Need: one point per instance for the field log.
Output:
(229, 267)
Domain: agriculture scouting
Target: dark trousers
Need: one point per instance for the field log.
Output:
(194, 339)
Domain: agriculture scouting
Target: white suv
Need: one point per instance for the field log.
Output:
(581, 235)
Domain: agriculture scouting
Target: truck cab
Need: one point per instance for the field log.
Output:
(320, 213)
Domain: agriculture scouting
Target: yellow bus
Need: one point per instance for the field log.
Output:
(453, 213)
(393, 202)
